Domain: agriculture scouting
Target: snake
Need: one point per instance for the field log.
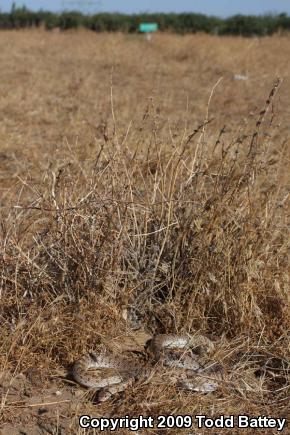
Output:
(175, 351)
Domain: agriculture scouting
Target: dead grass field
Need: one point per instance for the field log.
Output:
(142, 176)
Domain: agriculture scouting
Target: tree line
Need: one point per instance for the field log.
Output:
(245, 25)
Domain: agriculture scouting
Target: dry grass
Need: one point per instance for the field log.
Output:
(133, 176)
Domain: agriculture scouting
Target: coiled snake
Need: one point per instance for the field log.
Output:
(169, 350)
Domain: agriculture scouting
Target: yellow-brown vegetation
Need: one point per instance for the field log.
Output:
(147, 177)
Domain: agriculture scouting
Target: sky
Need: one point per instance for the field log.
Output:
(220, 8)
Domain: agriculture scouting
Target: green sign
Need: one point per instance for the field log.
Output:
(148, 27)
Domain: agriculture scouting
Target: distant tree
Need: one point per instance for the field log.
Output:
(5, 21)
(245, 25)
(283, 22)
(71, 20)
(22, 17)
(49, 19)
